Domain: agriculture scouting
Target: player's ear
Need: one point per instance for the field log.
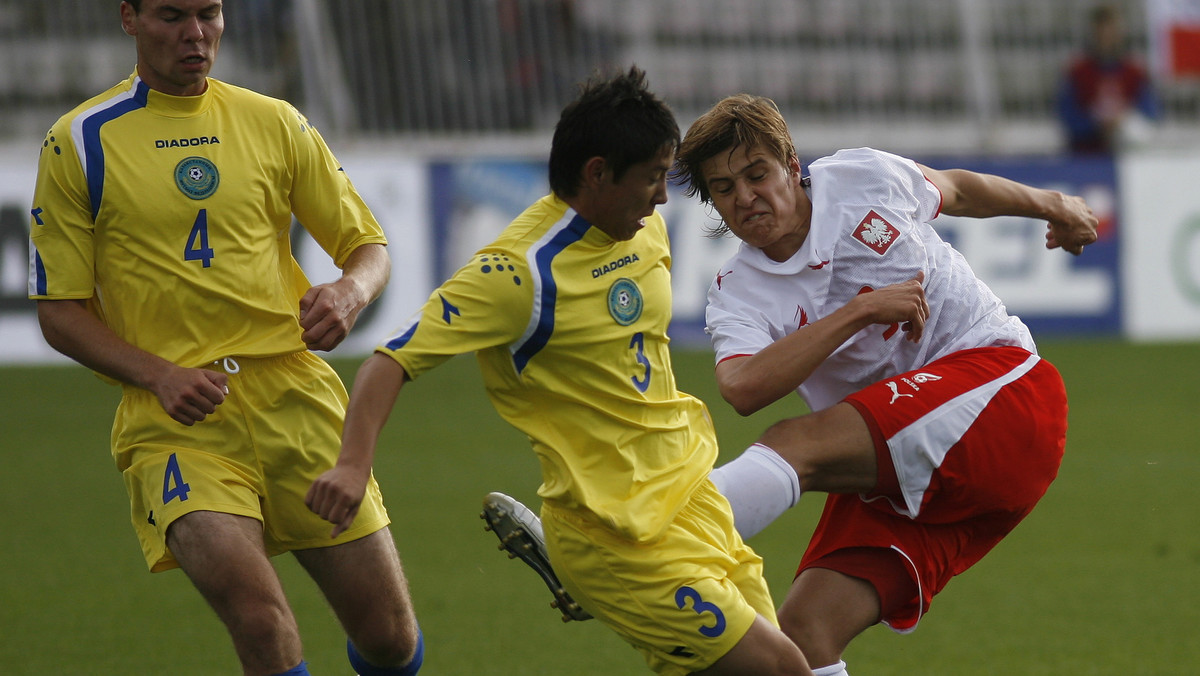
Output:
(127, 15)
(793, 167)
(593, 172)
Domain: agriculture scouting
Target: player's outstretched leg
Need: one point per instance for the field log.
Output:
(520, 533)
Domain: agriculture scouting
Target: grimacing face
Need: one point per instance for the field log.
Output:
(177, 42)
(759, 198)
(624, 203)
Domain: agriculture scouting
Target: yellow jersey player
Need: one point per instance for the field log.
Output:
(567, 313)
(160, 258)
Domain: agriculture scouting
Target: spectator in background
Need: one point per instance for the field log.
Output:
(1106, 97)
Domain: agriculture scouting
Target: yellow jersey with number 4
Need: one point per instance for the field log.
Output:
(173, 214)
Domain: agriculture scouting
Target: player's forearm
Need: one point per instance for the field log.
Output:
(975, 195)
(368, 268)
(69, 327)
(750, 384)
(372, 398)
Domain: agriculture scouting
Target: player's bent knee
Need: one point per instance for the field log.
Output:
(830, 450)
(390, 648)
(406, 662)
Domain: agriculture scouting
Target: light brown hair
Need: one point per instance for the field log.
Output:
(736, 121)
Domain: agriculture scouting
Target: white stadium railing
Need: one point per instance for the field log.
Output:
(958, 76)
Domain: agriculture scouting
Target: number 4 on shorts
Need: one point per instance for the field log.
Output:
(173, 476)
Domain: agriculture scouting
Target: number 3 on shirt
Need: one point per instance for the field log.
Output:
(197, 248)
(638, 342)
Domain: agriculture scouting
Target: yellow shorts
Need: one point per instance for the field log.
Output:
(278, 429)
(683, 601)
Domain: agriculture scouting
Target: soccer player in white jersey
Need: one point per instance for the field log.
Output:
(160, 258)
(935, 428)
(567, 314)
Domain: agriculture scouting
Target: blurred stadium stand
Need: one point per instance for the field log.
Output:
(463, 76)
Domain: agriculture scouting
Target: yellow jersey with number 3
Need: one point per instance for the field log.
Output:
(570, 331)
(173, 214)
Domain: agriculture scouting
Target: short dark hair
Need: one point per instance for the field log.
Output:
(616, 118)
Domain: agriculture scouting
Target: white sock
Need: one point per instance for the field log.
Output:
(838, 669)
(759, 485)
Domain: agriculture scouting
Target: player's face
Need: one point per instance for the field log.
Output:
(760, 199)
(177, 42)
(621, 205)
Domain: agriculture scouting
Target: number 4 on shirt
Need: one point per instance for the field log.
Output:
(197, 248)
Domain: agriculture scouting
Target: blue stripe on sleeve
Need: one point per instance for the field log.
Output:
(402, 340)
(39, 271)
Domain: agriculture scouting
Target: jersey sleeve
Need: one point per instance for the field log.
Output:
(881, 180)
(61, 256)
(735, 326)
(324, 199)
(486, 304)
(881, 204)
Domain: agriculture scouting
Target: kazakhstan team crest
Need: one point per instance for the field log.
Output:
(624, 301)
(197, 177)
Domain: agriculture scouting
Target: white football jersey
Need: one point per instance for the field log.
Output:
(870, 228)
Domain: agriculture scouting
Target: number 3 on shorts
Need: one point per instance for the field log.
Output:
(700, 606)
(173, 476)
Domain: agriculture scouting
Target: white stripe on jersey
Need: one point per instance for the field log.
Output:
(919, 449)
(80, 119)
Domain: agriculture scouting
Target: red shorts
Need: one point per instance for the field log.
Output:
(967, 445)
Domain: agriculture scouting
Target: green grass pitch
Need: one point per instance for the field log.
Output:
(1103, 578)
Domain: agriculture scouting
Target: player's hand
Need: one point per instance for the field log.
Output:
(1073, 228)
(328, 312)
(903, 304)
(189, 395)
(336, 496)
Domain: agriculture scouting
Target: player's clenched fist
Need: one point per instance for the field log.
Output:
(336, 495)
